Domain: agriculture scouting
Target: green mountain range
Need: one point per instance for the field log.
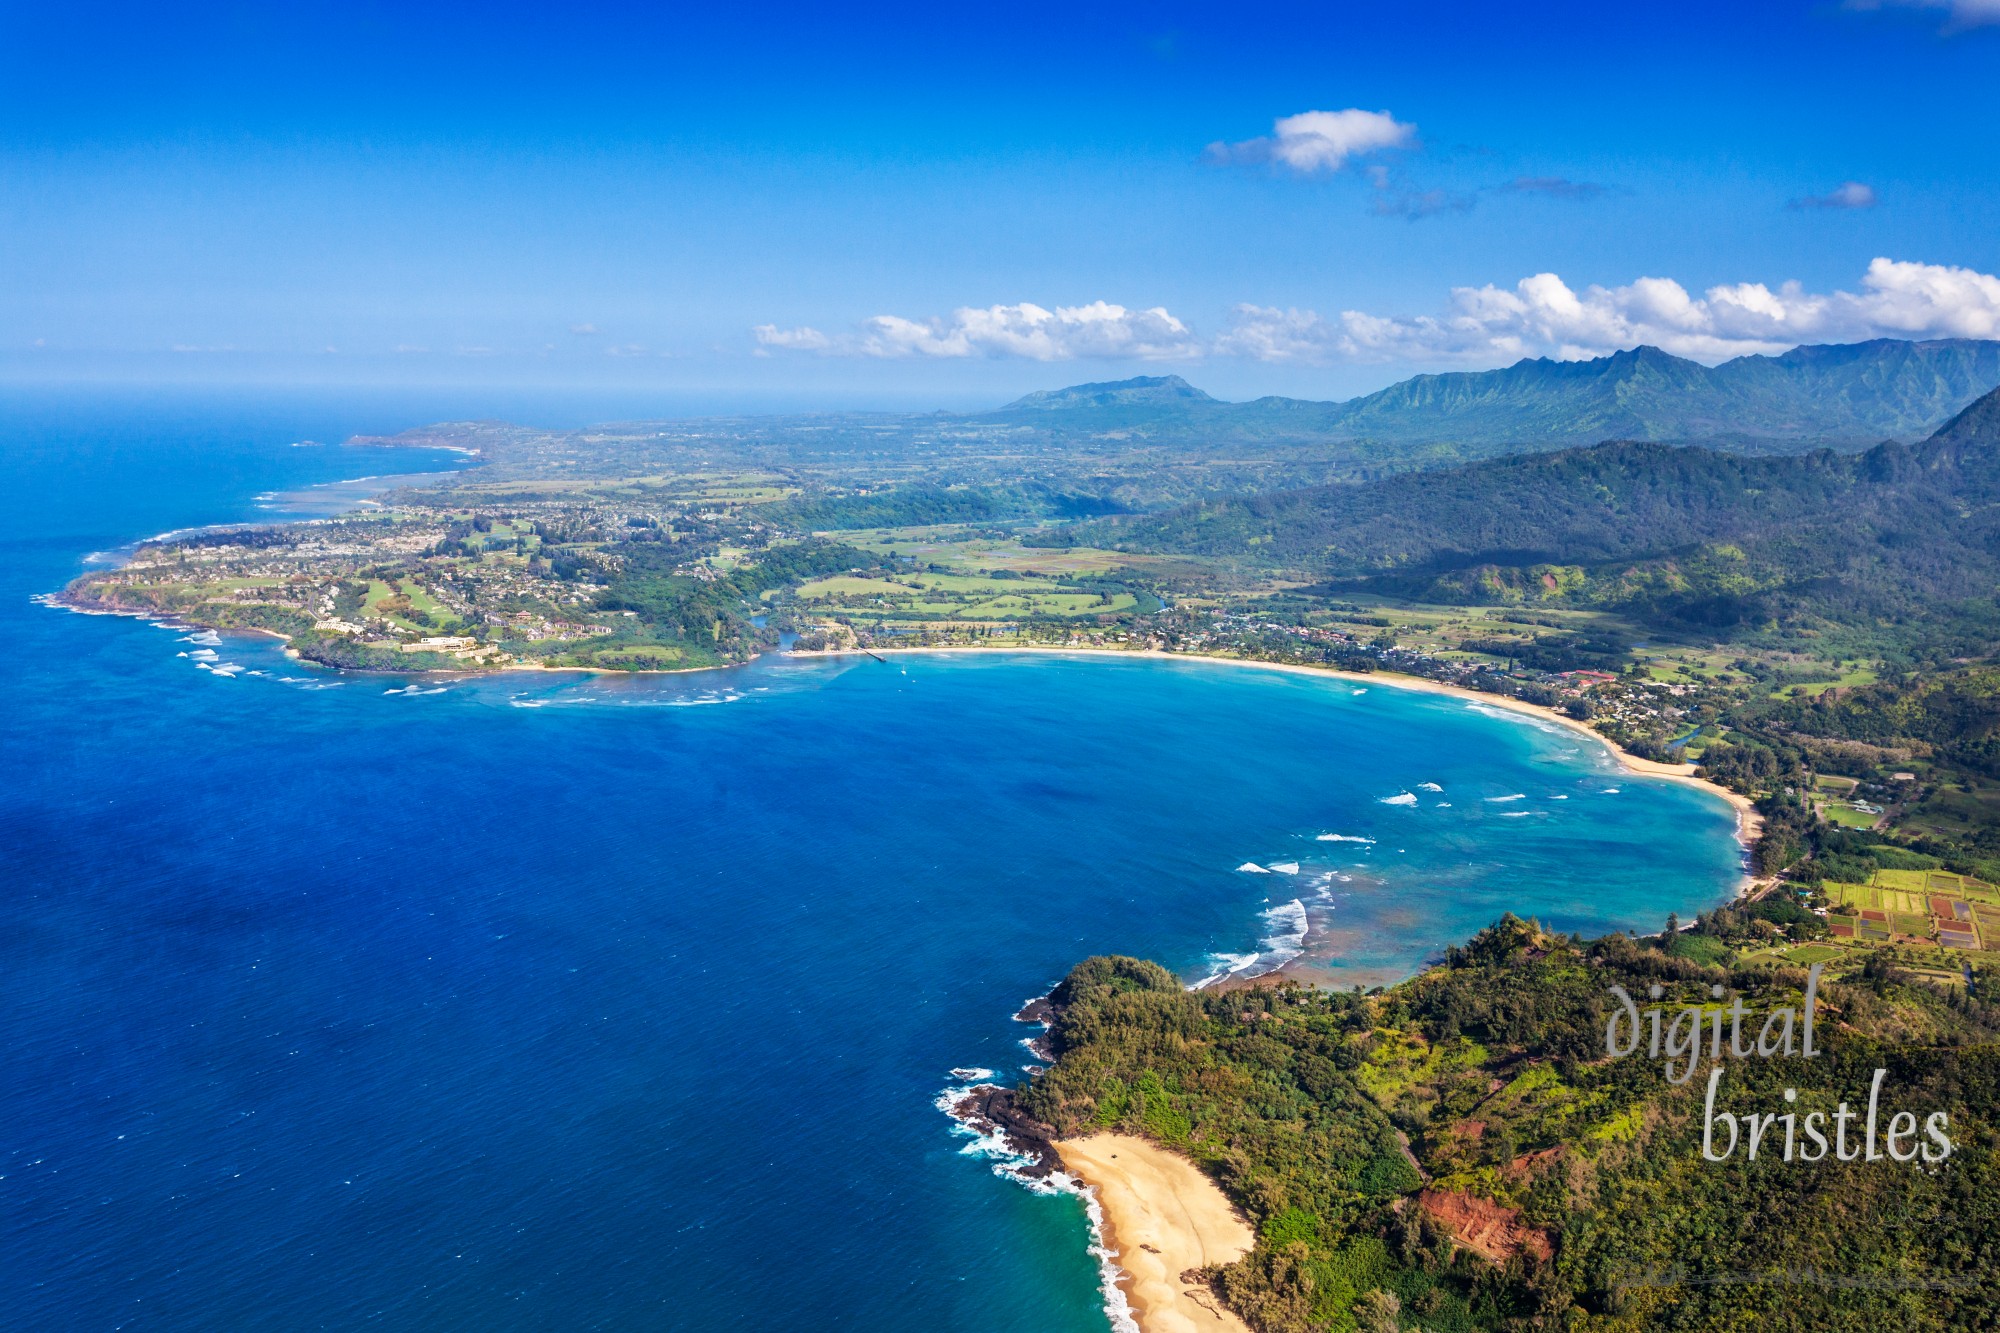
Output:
(1850, 394)
(1903, 535)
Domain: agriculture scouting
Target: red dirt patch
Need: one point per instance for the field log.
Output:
(1532, 1163)
(1483, 1226)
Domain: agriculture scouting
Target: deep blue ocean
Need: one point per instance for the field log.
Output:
(543, 1002)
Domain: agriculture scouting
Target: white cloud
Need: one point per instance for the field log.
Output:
(1848, 194)
(1319, 140)
(1543, 316)
(801, 339)
(1098, 330)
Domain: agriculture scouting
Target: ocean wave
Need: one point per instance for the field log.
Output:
(204, 654)
(1429, 786)
(1224, 965)
(1284, 867)
(1609, 791)
(1010, 1164)
(1401, 798)
(972, 1074)
(1285, 928)
(1344, 837)
(1251, 868)
(1517, 796)
(1516, 814)
(207, 638)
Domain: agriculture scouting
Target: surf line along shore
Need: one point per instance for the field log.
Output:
(1749, 824)
(1163, 1220)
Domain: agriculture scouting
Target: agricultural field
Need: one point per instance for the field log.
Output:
(1916, 906)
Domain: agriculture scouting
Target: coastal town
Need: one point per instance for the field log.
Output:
(685, 572)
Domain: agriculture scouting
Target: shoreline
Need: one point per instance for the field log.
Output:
(1749, 824)
(1162, 1219)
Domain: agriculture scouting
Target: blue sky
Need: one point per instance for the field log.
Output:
(908, 206)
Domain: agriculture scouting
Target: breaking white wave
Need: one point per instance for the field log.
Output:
(1224, 965)
(1361, 691)
(1008, 1164)
(1516, 814)
(1517, 796)
(204, 654)
(1251, 868)
(1609, 791)
(972, 1074)
(1284, 939)
(1401, 798)
(207, 638)
(1344, 837)
(1429, 786)
(1284, 867)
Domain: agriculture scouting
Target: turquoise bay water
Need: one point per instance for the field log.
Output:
(543, 1002)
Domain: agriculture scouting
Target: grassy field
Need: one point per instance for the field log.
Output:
(957, 597)
(1846, 816)
(975, 550)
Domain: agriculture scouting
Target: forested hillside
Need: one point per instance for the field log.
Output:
(1901, 533)
(1855, 393)
(1547, 1186)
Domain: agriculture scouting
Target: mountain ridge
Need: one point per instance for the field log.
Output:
(1898, 534)
(1844, 394)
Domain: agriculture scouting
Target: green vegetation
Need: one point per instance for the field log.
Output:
(1545, 1186)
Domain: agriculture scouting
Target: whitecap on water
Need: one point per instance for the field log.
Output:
(1401, 798)
(989, 1142)
(207, 638)
(1517, 796)
(1285, 928)
(1344, 837)
(1251, 868)
(1285, 867)
(1429, 786)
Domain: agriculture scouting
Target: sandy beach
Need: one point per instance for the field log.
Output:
(1748, 823)
(1162, 1217)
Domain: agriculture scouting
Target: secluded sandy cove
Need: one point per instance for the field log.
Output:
(1162, 1218)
